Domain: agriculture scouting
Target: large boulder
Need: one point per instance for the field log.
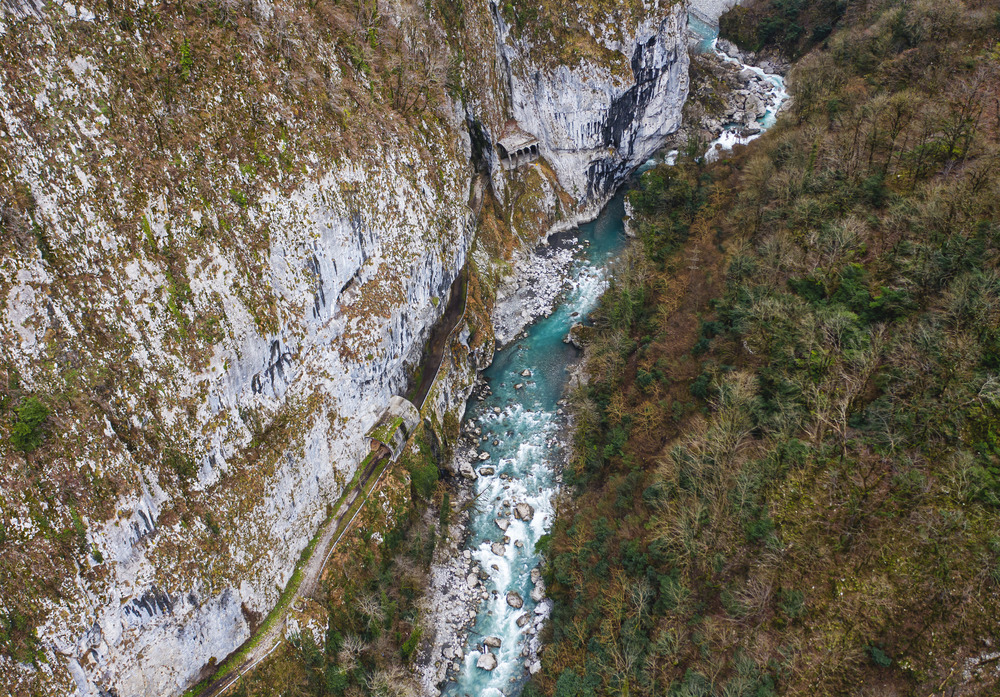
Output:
(524, 511)
(487, 661)
(515, 600)
(538, 593)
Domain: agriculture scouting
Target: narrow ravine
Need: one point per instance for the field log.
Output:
(519, 423)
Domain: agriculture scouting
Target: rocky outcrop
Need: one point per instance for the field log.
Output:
(599, 119)
(709, 11)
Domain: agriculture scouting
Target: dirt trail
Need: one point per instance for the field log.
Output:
(331, 534)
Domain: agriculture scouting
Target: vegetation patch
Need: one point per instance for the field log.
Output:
(785, 465)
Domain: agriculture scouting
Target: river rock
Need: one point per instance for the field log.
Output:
(525, 373)
(484, 456)
(572, 338)
(465, 469)
(486, 471)
(535, 667)
(515, 600)
(472, 580)
(538, 593)
(502, 523)
(523, 620)
(493, 641)
(496, 410)
(524, 511)
(498, 549)
(518, 385)
(487, 661)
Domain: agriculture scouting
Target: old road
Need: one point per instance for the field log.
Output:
(263, 644)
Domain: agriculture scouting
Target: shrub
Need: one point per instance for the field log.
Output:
(791, 602)
(29, 425)
(410, 645)
(879, 657)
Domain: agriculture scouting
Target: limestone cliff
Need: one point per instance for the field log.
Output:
(227, 229)
(606, 106)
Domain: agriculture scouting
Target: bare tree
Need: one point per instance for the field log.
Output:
(371, 607)
(350, 650)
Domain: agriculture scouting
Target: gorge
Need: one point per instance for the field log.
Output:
(215, 304)
(517, 432)
(475, 347)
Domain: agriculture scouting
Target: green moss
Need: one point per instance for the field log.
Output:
(147, 231)
(383, 433)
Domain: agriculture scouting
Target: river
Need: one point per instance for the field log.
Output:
(521, 423)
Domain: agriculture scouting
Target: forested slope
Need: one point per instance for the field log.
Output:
(786, 475)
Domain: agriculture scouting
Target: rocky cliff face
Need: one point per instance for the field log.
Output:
(226, 235)
(710, 10)
(610, 108)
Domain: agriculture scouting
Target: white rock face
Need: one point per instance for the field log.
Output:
(358, 262)
(710, 10)
(153, 640)
(593, 125)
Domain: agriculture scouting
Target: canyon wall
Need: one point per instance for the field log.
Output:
(610, 106)
(227, 232)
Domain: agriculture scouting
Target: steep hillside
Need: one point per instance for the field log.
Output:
(226, 230)
(786, 469)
